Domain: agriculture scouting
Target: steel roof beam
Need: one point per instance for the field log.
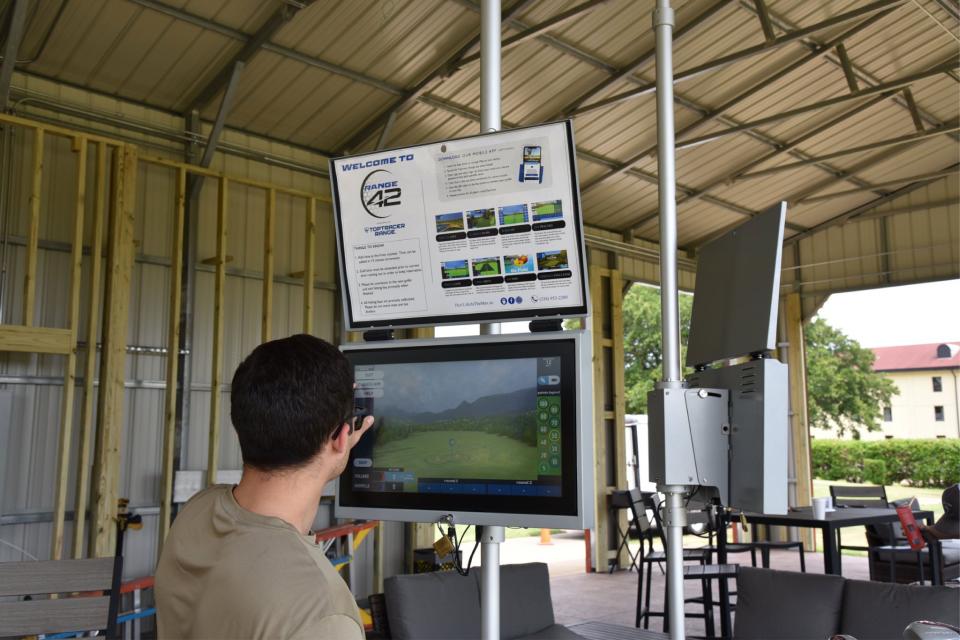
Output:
(886, 88)
(625, 73)
(261, 36)
(880, 144)
(717, 112)
(438, 73)
(537, 30)
(471, 114)
(768, 33)
(18, 21)
(286, 52)
(731, 177)
(743, 54)
(863, 75)
(863, 208)
(875, 185)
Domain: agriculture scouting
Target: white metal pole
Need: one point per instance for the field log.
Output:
(490, 89)
(490, 121)
(663, 20)
(490, 582)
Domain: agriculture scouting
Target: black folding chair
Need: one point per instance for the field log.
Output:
(628, 500)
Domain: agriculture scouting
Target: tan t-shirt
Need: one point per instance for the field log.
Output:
(226, 572)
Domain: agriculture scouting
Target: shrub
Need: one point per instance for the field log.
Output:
(875, 471)
(919, 463)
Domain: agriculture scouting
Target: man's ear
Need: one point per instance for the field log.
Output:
(340, 440)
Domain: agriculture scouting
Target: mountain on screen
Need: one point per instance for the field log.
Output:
(501, 404)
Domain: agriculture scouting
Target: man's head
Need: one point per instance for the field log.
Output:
(287, 399)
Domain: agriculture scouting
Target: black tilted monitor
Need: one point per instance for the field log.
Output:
(737, 290)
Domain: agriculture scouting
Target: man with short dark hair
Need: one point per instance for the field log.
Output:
(239, 561)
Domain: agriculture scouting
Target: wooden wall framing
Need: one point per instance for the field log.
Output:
(610, 470)
(111, 208)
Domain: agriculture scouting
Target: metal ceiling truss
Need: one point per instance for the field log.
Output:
(766, 47)
(878, 185)
(738, 174)
(716, 113)
(861, 74)
(407, 98)
(626, 72)
(261, 36)
(18, 20)
(880, 144)
(888, 88)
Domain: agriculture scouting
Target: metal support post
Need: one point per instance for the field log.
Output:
(490, 582)
(490, 91)
(490, 121)
(663, 21)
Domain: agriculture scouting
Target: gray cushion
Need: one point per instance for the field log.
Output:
(785, 605)
(556, 632)
(441, 606)
(880, 610)
(525, 604)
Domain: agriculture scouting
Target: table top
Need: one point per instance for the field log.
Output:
(841, 517)
(605, 631)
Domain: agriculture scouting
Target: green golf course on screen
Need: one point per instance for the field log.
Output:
(459, 420)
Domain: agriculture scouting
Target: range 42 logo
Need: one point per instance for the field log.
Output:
(380, 189)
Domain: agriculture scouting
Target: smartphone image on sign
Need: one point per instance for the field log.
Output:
(531, 170)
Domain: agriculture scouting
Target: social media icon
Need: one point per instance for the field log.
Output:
(519, 299)
(511, 300)
(503, 301)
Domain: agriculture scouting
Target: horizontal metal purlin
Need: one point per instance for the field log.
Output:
(886, 87)
(743, 54)
(716, 112)
(39, 517)
(880, 144)
(878, 185)
(151, 385)
(162, 261)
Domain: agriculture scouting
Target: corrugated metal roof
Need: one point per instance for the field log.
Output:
(333, 68)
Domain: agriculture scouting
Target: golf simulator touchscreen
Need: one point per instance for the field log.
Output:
(476, 427)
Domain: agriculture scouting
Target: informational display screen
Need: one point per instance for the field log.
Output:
(485, 228)
(484, 426)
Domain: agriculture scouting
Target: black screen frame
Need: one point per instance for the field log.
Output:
(564, 505)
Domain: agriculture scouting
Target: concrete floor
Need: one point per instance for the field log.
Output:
(580, 597)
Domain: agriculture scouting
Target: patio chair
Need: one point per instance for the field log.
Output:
(34, 616)
(863, 497)
(705, 571)
(629, 500)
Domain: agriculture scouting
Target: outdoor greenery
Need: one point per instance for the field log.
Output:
(844, 393)
(641, 337)
(520, 426)
(920, 463)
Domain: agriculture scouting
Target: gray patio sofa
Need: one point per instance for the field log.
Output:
(446, 605)
(785, 605)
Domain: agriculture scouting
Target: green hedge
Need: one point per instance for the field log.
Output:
(918, 463)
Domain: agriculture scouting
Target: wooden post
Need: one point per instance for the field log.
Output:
(89, 368)
(618, 391)
(308, 262)
(378, 558)
(69, 373)
(601, 535)
(120, 251)
(173, 363)
(216, 378)
(33, 230)
(268, 233)
(799, 425)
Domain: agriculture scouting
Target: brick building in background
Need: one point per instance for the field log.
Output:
(927, 377)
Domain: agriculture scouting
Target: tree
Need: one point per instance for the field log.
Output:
(642, 354)
(844, 393)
